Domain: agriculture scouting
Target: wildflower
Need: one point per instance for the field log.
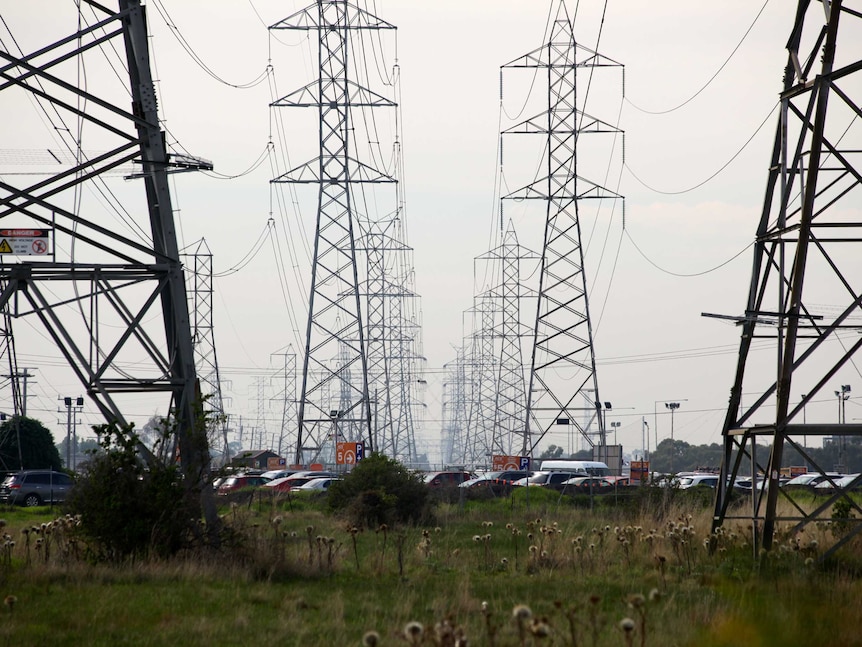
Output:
(504, 561)
(522, 612)
(477, 538)
(413, 632)
(371, 639)
(654, 595)
(636, 601)
(485, 604)
(10, 601)
(540, 628)
(627, 625)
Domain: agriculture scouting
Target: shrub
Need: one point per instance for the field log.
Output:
(128, 508)
(380, 490)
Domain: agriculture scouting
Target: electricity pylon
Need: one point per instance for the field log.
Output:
(455, 400)
(335, 294)
(806, 254)
(498, 410)
(203, 338)
(94, 291)
(563, 366)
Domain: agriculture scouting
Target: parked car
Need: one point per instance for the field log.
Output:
(544, 479)
(288, 483)
(316, 485)
(505, 477)
(446, 478)
(278, 474)
(240, 482)
(810, 479)
(841, 483)
(35, 487)
(588, 484)
(698, 480)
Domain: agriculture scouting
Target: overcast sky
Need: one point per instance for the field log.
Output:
(700, 90)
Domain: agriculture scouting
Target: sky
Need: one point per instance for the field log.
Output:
(700, 87)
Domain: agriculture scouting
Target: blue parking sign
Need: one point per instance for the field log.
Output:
(360, 451)
(524, 463)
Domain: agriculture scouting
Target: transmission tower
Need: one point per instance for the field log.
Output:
(455, 399)
(510, 406)
(203, 338)
(335, 293)
(287, 396)
(93, 288)
(482, 371)
(389, 338)
(807, 229)
(563, 359)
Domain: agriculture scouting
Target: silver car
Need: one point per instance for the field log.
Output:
(35, 487)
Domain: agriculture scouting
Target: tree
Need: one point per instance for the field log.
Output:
(36, 449)
(380, 490)
(553, 451)
(130, 508)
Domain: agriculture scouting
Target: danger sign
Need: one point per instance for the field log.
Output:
(24, 242)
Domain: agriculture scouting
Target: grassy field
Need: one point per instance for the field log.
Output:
(500, 572)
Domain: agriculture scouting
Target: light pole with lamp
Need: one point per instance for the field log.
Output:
(655, 414)
(616, 425)
(673, 406)
(72, 437)
(843, 395)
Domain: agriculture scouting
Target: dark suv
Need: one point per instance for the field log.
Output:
(35, 487)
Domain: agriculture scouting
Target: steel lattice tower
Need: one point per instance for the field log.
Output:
(482, 369)
(806, 254)
(203, 338)
(454, 438)
(391, 372)
(287, 396)
(510, 406)
(563, 358)
(335, 293)
(118, 274)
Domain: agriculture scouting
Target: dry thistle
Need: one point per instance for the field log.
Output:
(10, 601)
(371, 639)
(413, 632)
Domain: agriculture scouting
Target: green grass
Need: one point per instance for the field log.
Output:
(283, 584)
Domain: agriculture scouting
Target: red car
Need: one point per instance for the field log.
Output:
(446, 479)
(240, 482)
(287, 483)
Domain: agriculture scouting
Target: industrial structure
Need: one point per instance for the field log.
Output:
(361, 350)
(561, 388)
(104, 285)
(806, 254)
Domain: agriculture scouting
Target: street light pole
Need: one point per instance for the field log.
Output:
(616, 425)
(72, 410)
(673, 406)
(655, 414)
(843, 395)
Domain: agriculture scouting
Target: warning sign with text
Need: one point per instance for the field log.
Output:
(24, 242)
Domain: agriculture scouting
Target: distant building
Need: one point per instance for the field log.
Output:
(263, 459)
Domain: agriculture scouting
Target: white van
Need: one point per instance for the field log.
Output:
(577, 468)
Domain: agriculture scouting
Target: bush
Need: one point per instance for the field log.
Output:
(128, 508)
(380, 490)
